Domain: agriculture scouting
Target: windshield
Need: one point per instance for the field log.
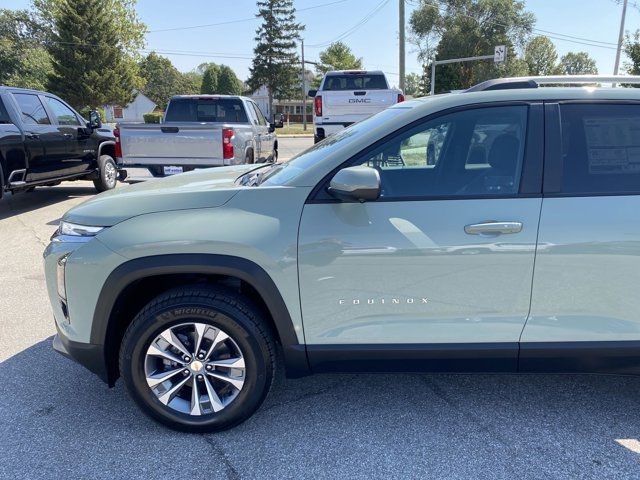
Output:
(212, 109)
(283, 173)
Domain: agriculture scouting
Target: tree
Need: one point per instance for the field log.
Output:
(338, 56)
(413, 85)
(541, 57)
(191, 83)
(161, 79)
(275, 62)
(464, 28)
(632, 49)
(90, 65)
(228, 82)
(579, 63)
(210, 79)
(23, 60)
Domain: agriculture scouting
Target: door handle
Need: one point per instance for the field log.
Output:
(68, 135)
(33, 136)
(493, 228)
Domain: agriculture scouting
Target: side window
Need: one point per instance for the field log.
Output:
(251, 111)
(4, 115)
(261, 119)
(63, 114)
(470, 153)
(600, 149)
(33, 112)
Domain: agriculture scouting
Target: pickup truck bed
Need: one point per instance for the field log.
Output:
(199, 132)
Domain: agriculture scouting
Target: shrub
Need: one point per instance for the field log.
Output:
(153, 117)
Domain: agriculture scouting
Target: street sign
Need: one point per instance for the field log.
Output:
(500, 54)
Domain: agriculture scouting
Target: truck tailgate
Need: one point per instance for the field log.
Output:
(171, 144)
(357, 102)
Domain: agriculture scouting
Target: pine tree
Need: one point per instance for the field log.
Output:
(90, 66)
(210, 79)
(228, 82)
(275, 63)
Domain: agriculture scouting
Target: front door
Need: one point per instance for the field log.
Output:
(80, 154)
(39, 130)
(446, 255)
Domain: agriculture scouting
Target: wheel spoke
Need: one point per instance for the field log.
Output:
(195, 398)
(220, 337)
(236, 382)
(174, 341)
(167, 396)
(228, 362)
(156, 352)
(200, 329)
(214, 399)
(157, 378)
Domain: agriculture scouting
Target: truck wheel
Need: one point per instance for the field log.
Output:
(274, 157)
(108, 174)
(198, 359)
(248, 158)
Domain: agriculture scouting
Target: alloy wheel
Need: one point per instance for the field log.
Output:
(194, 368)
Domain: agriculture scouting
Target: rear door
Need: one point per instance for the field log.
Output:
(266, 138)
(444, 257)
(588, 263)
(40, 131)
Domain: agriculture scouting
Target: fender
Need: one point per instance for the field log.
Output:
(295, 356)
(108, 142)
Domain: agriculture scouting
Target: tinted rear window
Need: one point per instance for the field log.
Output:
(227, 110)
(355, 82)
(600, 149)
(4, 116)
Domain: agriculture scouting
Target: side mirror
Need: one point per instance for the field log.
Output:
(312, 93)
(359, 184)
(278, 122)
(94, 120)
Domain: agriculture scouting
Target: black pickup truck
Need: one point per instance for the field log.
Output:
(43, 141)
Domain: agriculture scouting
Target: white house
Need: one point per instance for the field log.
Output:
(133, 112)
(261, 97)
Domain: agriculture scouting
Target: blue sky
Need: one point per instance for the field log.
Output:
(376, 41)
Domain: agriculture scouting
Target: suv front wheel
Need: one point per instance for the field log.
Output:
(198, 359)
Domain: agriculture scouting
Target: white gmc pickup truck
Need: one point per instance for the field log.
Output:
(349, 96)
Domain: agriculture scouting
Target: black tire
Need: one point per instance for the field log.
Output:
(273, 158)
(1, 182)
(223, 309)
(107, 174)
(248, 158)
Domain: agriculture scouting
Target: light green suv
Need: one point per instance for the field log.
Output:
(493, 230)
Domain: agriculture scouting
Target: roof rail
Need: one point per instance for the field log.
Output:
(535, 82)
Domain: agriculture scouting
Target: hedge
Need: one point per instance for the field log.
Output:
(153, 117)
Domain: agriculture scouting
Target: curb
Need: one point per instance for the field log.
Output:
(296, 135)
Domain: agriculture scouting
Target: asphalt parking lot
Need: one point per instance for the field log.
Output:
(57, 420)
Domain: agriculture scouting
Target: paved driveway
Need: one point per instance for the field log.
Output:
(57, 420)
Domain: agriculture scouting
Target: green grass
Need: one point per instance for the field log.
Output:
(295, 129)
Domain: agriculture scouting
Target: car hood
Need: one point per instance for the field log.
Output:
(204, 188)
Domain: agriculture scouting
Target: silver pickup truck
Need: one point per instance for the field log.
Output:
(199, 131)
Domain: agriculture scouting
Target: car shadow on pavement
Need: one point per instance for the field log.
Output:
(23, 202)
(59, 420)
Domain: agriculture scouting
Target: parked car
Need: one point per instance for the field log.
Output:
(349, 96)
(199, 131)
(349, 258)
(43, 141)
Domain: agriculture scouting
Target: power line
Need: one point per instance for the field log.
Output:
(240, 20)
(351, 30)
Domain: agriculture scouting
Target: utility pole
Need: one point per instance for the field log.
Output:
(304, 92)
(402, 42)
(620, 39)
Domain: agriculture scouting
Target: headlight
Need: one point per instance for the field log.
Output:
(79, 232)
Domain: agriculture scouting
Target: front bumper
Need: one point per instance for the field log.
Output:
(88, 355)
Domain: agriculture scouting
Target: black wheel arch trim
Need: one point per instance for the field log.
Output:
(295, 357)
